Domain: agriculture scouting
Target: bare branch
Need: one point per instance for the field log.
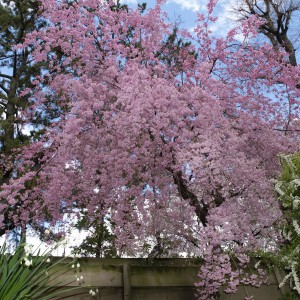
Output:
(5, 76)
(6, 91)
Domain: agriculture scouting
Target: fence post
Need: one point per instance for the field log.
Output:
(126, 282)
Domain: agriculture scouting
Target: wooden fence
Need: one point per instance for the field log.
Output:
(143, 279)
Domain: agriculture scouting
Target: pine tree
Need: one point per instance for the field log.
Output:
(17, 70)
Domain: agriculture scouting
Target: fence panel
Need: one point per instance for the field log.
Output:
(161, 279)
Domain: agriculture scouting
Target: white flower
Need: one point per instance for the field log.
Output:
(296, 226)
(77, 278)
(73, 266)
(296, 278)
(28, 249)
(256, 265)
(296, 182)
(287, 234)
(278, 188)
(92, 293)
(48, 260)
(81, 277)
(47, 232)
(284, 280)
(78, 265)
(28, 263)
(296, 203)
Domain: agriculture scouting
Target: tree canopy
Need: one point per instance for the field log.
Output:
(172, 145)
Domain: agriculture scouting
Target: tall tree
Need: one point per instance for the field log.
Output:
(187, 160)
(17, 19)
(280, 22)
(17, 71)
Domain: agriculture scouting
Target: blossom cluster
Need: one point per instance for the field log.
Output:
(225, 272)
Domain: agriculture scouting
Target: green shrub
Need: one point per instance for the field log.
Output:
(288, 191)
(25, 275)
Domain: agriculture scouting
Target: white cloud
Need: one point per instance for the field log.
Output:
(193, 5)
(227, 17)
(129, 1)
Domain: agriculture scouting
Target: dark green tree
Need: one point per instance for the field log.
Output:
(17, 18)
(100, 242)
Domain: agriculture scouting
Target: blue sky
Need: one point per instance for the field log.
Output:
(186, 10)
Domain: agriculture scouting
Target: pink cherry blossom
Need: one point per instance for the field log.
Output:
(180, 152)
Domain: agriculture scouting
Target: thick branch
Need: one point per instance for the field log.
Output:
(277, 18)
(2, 87)
(5, 76)
(201, 208)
